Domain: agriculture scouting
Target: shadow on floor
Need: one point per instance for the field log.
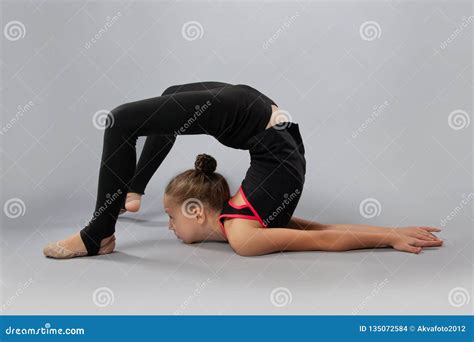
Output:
(143, 222)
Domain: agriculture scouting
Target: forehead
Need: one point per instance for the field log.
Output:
(168, 202)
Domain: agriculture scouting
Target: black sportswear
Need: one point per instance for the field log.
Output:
(233, 114)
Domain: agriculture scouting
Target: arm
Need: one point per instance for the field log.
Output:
(300, 223)
(250, 241)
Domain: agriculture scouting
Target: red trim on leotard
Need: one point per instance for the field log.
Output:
(251, 207)
(237, 206)
(248, 217)
(256, 217)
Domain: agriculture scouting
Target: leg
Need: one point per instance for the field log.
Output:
(162, 115)
(156, 148)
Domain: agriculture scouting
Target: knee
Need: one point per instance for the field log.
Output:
(119, 118)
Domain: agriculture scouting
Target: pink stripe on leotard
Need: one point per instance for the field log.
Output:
(251, 207)
(236, 206)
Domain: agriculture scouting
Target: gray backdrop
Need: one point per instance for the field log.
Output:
(383, 94)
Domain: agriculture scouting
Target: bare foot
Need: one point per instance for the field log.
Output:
(132, 203)
(74, 247)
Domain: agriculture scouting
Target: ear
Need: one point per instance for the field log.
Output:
(200, 216)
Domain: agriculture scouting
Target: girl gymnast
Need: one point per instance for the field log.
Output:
(258, 219)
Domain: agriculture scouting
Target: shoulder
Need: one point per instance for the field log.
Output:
(239, 230)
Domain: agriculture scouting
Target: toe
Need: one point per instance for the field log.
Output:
(47, 250)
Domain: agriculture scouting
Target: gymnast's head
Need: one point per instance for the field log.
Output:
(194, 199)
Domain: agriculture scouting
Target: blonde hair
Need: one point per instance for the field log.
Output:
(202, 183)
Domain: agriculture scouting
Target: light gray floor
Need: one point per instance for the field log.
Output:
(152, 272)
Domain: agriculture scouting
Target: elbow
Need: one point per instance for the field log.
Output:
(243, 248)
(243, 251)
(250, 242)
(239, 244)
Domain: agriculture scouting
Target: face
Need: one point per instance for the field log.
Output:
(185, 227)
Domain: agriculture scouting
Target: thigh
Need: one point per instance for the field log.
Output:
(207, 85)
(177, 113)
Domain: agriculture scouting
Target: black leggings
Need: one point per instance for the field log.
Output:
(157, 147)
(157, 118)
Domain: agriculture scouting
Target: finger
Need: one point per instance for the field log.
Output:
(430, 229)
(432, 236)
(411, 249)
(425, 237)
(424, 243)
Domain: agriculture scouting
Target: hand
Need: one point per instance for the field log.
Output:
(413, 239)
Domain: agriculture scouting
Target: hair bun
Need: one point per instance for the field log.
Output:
(205, 163)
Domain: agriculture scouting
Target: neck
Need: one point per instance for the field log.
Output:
(213, 231)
